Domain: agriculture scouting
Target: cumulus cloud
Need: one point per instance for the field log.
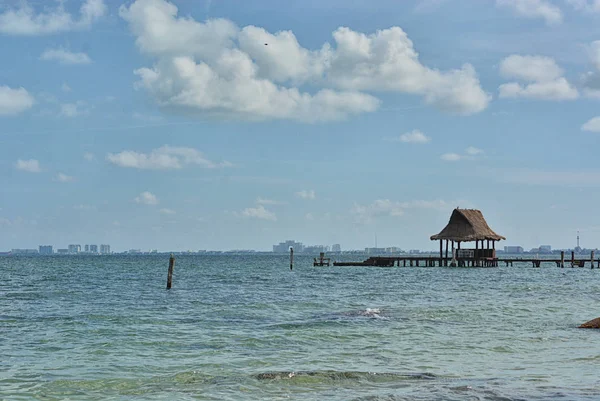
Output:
(544, 75)
(61, 177)
(259, 212)
(14, 101)
(264, 201)
(89, 156)
(591, 6)
(591, 79)
(592, 125)
(167, 211)
(534, 9)
(473, 151)
(146, 198)
(451, 157)
(76, 109)
(31, 165)
(25, 20)
(65, 57)
(163, 158)
(304, 194)
(387, 207)
(217, 68)
(414, 136)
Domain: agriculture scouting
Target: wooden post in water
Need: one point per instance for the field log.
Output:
(572, 259)
(592, 260)
(170, 274)
(291, 258)
(562, 258)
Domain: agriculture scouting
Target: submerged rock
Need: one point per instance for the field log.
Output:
(592, 324)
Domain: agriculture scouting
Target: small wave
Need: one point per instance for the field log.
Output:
(374, 313)
(333, 375)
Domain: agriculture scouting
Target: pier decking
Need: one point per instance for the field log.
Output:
(431, 261)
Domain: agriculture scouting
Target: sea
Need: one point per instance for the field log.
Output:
(248, 328)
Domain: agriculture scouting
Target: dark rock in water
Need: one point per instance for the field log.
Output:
(592, 324)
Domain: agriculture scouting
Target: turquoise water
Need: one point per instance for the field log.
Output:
(246, 328)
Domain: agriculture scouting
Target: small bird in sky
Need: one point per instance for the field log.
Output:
(266, 44)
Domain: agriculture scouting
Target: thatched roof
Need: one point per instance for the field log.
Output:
(467, 225)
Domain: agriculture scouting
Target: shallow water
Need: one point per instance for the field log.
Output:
(246, 328)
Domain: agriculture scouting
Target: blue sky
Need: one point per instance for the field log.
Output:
(230, 124)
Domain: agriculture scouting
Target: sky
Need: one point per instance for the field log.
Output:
(230, 124)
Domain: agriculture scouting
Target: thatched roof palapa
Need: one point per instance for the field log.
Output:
(467, 225)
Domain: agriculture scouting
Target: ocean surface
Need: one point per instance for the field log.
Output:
(248, 328)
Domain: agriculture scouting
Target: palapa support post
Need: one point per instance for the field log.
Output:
(572, 259)
(170, 274)
(291, 258)
(562, 259)
(592, 259)
(446, 261)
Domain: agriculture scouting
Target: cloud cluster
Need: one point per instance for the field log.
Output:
(217, 68)
(65, 57)
(592, 125)
(544, 77)
(163, 158)
(306, 194)
(259, 212)
(534, 9)
(14, 101)
(414, 136)
(62, 177)
(387, 207)
(24, 20)
(31, 165)
(469, 153)
(591, 79)
(146, 198)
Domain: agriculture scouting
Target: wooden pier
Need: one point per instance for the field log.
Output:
(431, 261)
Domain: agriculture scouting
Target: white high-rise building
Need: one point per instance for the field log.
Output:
(104, 249)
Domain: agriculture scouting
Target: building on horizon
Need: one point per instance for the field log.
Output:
(513, 249)
(284, 247)
(74, 248)
(104, 249)
(94, 248)
(45, 250)
(374, 251)
(545, 249)
(86, 248)
(24, 251)
(336, 248)
(315, 249)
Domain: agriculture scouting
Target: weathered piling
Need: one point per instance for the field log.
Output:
(291, 258)
(562, 258)
(592, 259)
(572, 259)
(170, 274)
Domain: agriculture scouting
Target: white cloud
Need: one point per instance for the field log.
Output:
(591, 79)
(167, 211)
(65, 57)
(89, 156)
(386, 207)
(545, 76)
(304, 194)
(591, 6)
(31, 165)
(76, 109)
(415, 136)
(24, 20)
(163, 158)
(473, 151)
(451, 157)
(61, 177)
(263, 201)
(146, 198)
(534, 9)
(592, 125)
(216, 68)
(65, 87)
(530, 68)
(259, 212)
(309, 217)
(14, 101)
